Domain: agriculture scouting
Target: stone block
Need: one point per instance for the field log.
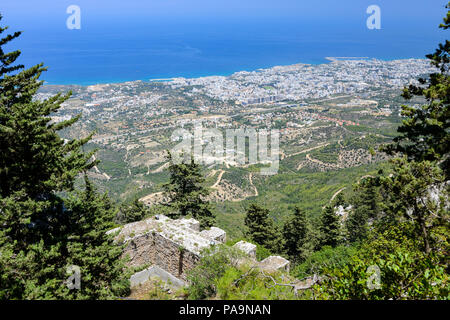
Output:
(215, 234)
(275, 263)
(248, 248)
(190, 223)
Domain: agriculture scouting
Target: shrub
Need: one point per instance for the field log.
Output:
(212, 265)
(327, 257)
(247, 283)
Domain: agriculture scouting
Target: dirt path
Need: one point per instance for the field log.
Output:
(342, 189)
(161, 168)
(308, 150)
(336, 193)
(366, 176)
(250, 176)
(98, 171)
(219, 178)
(211, 173)
(151, 196)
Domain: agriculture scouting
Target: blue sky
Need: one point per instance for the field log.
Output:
(49, 11)
(402, 17)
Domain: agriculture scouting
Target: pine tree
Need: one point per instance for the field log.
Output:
(261, 229)
(339, 200)
(35, 163)
(357, 224)
(187, 193)
(27, 261)
(295, 235)
(33, 157)
(329, 228)
(38, 230)
(103, 272)
(425, 133)
(131, 212)
(366, 205)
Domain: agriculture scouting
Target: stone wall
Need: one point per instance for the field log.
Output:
(154, 249)
(172, 245)
(143, 276)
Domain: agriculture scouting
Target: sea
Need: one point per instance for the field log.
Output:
(104, 51)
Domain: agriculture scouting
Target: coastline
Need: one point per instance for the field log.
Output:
(326, 60)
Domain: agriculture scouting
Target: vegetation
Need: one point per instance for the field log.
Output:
(388, 266)
(295, 235)
(261, 230)
(327, 257)
(131, 212)
(187, 193)
(247, 283)
(366, 205)
(44, 235)
(329, 228)
(425, 132)
(224, 273)
(404, 256)
(212, 266)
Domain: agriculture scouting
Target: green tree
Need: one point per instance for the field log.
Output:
(187, 193)
(329, 228)
(366, 205)
(339, 200)
(34, 158)
(40, 234)
(295, 235)
(409, 241)
(103, 272)
(26, 259)
(131, 212)
(425, 133)
(357, 224)
(417, 192)
(261, 229)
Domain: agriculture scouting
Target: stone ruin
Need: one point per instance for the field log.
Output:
(272, 263)
(169, 248)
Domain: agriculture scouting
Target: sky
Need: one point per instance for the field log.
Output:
(50, 12)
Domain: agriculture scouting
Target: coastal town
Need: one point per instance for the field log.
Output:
(301, 84)
(314, 107)
(303, 81)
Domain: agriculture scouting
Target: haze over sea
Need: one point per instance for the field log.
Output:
(139, 40)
